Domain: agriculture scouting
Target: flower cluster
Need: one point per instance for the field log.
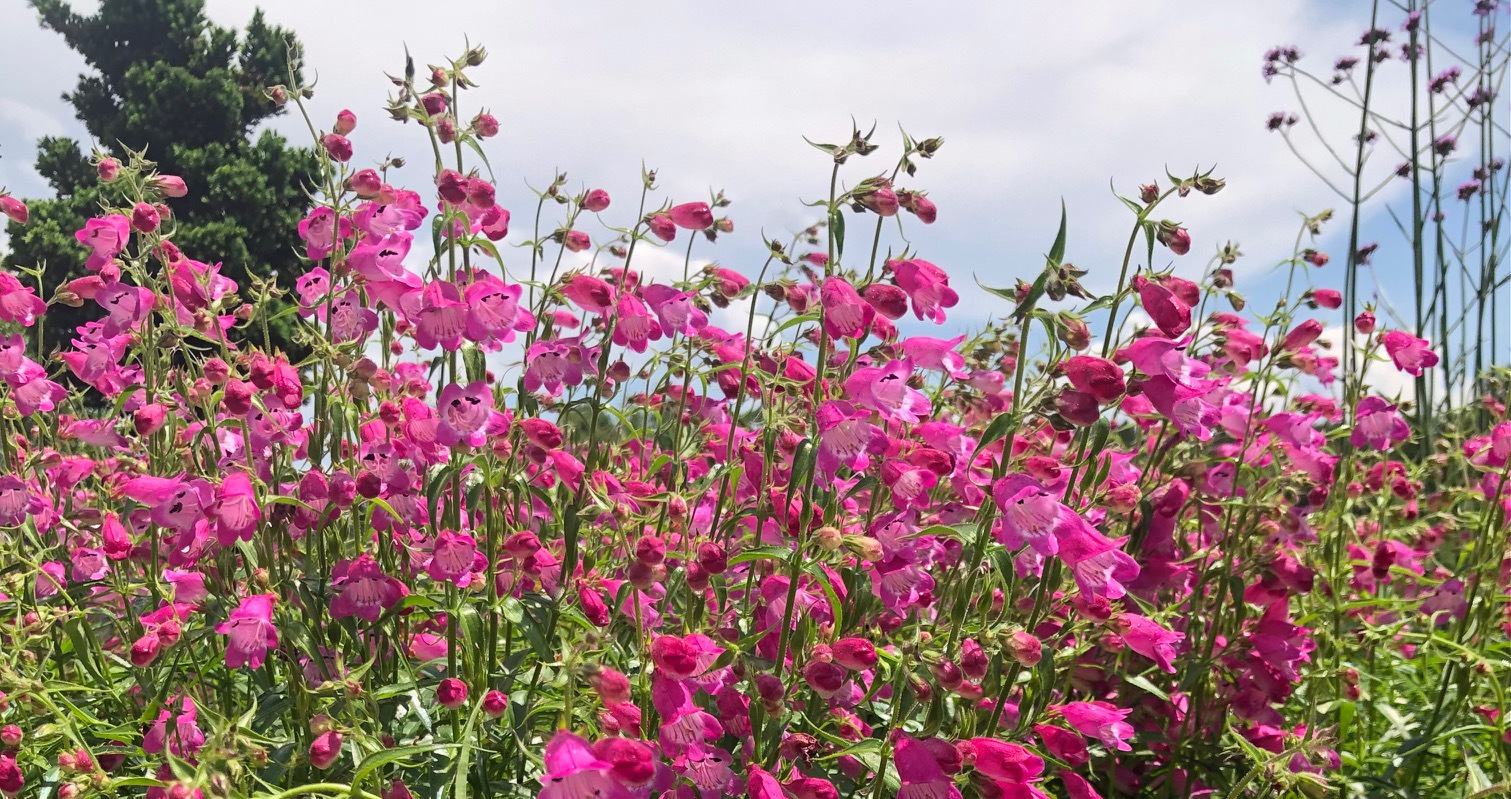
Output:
(541, 517)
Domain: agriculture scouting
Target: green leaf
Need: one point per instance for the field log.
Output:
(997, 430)
(378, 759)
(1057, 250)
(1143, 682)
(837, 225)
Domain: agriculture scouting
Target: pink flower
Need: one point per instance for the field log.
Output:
(1302, 335)
(321, 232)
(937, 354)
(1328, 298)
(1409, 353)
(171, 185)
(1063, 744)
(235, 511)
(596, 200)
(886, 391)
(1077, 786)
(549, 364)
(493, 312)
(454, 558)
(466, 414)
(847, 438)
(929, 287)
(910, 485)
(691, 216)
(589, 293)
(250, 632)
(325, 750)
(1150, 639)
(1005, 762)
(675, 309)
(1101, 721)
(13, 208)
(1099, 377)
(105, 237)
(1379, 425)
(662, 227)
(920, 773)
(846, 315)
(685, 657)
(19, 303)
(126, 307)
(451, 693)
(576, 240)
(439, 315)
(338, 147)
(635, 327)
(363, 590)
(184, 739)
(1170, 314)
(573, 771)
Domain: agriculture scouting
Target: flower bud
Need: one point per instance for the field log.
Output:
(1365, 322)
(495, 704)
(596, 200)
(171, 185)
(451, 693)
(325, 750)
(108, 169)
(144, 217)
(1024, 648)
(346, 122)
(13, 208)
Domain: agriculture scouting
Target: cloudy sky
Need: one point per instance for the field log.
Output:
(1037, 102)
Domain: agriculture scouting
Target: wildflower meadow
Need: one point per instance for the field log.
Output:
(533, 520)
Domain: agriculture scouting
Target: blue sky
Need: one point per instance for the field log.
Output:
(1037, 102)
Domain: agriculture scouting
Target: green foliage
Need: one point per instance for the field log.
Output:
(166, 80)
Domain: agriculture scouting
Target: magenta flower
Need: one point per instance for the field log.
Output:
(465, 414)
(937, 354)
(18, 303)
(691, 216)
(350, 320)
(675, 309)
(363, 590)
(184, 739)
(846, 315)
(1100, 569)
(1101, 721)
(592, 294)
(454, 558)
(493, 311)
(929, 287)
(322, 233)
(635, 327)
(126, 307)
(1150, 639)
(235, 511)
(379, 220)
(1409, 353)
(1170, 314)
(250, 632)
(1099, 377)
(919, 772)
(1030, 514)
(847, 438)
(550, 364)
(381, 262)
(105, 237)
(886, 391)
(573, 771)
(439, 315)
(1379, 425)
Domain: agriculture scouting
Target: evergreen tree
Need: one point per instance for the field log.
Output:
(189, 93)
